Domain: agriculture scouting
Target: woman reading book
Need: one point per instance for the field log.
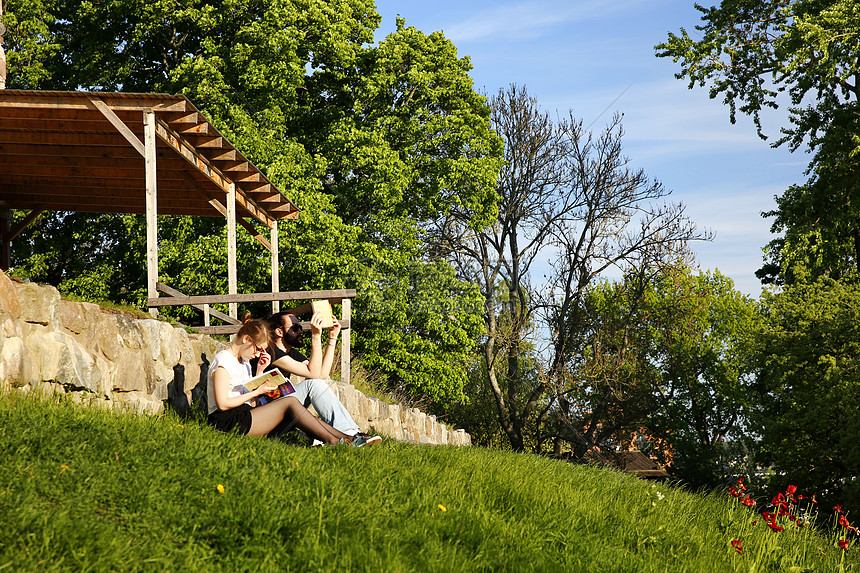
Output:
(232, 405)
(285, 331)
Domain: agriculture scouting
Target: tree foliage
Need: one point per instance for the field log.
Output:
(665, 366)
(809, 388)
(752, 53)
(370, 141)
(569, 196)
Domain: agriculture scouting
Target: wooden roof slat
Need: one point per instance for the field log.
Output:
(61, 147)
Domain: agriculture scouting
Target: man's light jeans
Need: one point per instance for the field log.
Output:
(325, 402)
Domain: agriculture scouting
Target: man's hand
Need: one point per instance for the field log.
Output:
(317, 324)
(334, 331)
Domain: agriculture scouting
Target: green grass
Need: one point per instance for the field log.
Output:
(88, 490)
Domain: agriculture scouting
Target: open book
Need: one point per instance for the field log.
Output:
(323, 307)
(271, 378)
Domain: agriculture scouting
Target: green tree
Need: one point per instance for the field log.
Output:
(756, 53)
(665, 365)
(371, 142)
(809, 386)
(569, 196)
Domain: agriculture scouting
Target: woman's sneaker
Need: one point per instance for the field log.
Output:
(362, 441)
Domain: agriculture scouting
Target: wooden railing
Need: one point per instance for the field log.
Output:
(203, 302)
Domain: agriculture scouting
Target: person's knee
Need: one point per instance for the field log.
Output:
(317, 387)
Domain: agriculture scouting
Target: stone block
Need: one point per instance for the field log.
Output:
(40, 304)
(137, 372)
(9, 303)
(130, 333)
(13, 359)
(56, 356)
(78, 317)
(105, 338)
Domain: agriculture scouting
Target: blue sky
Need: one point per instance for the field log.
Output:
(596, 57)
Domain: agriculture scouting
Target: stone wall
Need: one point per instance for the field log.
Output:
(111, 359)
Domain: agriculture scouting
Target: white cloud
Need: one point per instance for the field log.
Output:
(526, 20)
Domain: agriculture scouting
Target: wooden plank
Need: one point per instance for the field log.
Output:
(345, 340)
(81, 139)
(233, 328)
(72, 151)
(79, 101)
(120, 125)
(151, 208)
(334, 295)
(100, 161)
(23, 223)
(216, 313)
(276, 276)
(232, 280)
(224, 329)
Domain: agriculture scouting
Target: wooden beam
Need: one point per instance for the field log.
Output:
(5, 240)
(232, 282)
(216, 313)
(23, 223)
(248, 226)
(188, 151)
(276, 275)
(335, 295)
(151, 208)
(79, 100)
(345, 340)
(119, 124)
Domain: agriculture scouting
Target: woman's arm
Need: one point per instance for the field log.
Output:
(221, 385)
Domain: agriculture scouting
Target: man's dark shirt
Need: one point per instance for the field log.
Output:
(278, 354)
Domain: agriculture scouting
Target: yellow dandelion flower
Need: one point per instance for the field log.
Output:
(64, 467)
(220, 488)
(442, 508)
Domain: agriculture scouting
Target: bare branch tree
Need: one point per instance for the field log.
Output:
(570, 207)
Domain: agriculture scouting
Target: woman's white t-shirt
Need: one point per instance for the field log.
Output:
(240, 372)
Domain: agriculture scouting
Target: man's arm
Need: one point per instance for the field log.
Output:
(328, 357)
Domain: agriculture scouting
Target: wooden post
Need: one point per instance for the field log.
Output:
(276, 279)
(232, 282)
(346, 316)
(2, 52)
(149, 143)
(5, 237)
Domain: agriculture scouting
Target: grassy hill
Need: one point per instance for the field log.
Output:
(87, 490)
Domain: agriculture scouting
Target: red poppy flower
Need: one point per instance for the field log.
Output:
(733, 492)
(791, 489)
(813, 499)
(747, 501)
(837, 508)
(774, 526)
(736, 543)
(779, 499)
(843, 521)
(792, 518)
(843, 544)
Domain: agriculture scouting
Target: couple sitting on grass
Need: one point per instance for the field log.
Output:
(260, 346)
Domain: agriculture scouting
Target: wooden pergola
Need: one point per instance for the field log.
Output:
(144, 154)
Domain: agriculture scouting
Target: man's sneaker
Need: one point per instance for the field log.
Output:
(361, 441)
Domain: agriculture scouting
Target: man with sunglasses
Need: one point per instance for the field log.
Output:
(286, 335)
